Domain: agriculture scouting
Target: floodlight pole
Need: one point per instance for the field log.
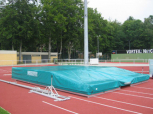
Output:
(85, 33)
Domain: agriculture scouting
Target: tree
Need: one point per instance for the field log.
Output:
(118, 35)
(69, 24)
(17, 19)
(97, 31)
(132, 29)
(49, 17)
(147, 35)
(74, 26)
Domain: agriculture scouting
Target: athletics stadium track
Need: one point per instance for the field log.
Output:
(137, 99)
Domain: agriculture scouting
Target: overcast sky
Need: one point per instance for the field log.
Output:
(122, 9)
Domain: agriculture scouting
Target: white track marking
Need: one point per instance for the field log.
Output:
(143, 87)
(138, 92)
(7, 74)
(134, 95)
(106, 105)
(59, 107)
(125, 102)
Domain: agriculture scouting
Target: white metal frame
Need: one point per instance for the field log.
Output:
(49, 91)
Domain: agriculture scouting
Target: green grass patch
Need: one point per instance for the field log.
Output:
(2, 111)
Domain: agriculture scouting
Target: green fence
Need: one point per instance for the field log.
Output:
(139, 57)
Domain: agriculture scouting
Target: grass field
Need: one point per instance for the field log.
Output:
(3, 111)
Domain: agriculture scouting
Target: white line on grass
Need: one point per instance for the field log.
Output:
(138, 92)
(125, 102)
(143, 87)
(106, 105)
(59, 107)
(134, 95)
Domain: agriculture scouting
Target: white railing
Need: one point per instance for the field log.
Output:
(105, 61)
(67, 61)
(81, 61)
(24, 62)
(126, 60)
(43, 61)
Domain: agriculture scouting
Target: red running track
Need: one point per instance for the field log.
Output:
(139, 69)
(137, 99)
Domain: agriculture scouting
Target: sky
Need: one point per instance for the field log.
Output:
(122, 9)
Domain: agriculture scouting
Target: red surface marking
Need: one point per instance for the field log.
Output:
(124, 98)
(135, 94)
(17, 100)
(129, 99)
(138, 89)
(148, 85)
(125, 106)
(136, 68)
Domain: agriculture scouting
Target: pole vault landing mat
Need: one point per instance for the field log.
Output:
(85, 80)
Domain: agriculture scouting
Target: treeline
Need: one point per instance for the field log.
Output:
(58, 26)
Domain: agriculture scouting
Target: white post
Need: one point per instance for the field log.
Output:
(51, 79)
(85, 33)
(142, 70)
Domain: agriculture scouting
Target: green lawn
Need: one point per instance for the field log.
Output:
(2, 111)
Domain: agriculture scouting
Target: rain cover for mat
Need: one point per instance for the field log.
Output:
(80, 79)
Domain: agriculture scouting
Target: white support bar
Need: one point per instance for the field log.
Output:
(49, 91)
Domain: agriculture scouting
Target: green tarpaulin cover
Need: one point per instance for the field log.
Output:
(80, 79)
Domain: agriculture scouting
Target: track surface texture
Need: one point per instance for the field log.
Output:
(135, 99)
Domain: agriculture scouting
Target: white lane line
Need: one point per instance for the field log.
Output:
(125, 102)
(59, 107)
(137, 92)
(7, 74)
(106, 105)
(143, 87)
(133, 95)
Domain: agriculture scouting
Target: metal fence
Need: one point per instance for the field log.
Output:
(24, 62)
(68, 61)
(130, 60)
(75, 62)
